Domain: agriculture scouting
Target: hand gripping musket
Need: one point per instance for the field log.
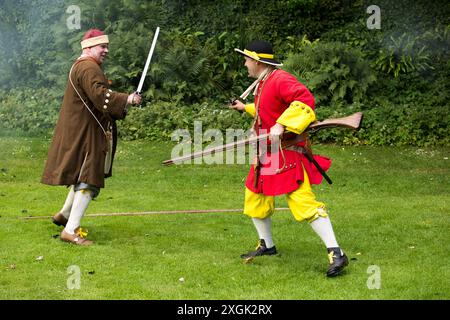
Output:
(147, 63)
(289, 139)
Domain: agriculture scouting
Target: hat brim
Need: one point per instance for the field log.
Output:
(272, 62)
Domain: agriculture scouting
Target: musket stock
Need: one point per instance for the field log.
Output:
(352, 122)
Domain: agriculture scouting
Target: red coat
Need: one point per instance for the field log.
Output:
(274, 96)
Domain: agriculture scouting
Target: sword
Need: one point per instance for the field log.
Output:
(147, 63)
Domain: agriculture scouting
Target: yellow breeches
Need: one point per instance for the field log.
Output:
(302, 202)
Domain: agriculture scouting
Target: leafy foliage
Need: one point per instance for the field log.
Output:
(159, 120)
(23, 110)
(400, 70)
(390, 124)
(403, 56)
(333, 71)
(414, 111)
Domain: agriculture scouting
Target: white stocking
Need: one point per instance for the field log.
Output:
(263, 227)
(80, 204)
(65, 211)
(322, 226)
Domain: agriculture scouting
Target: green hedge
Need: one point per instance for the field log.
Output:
(157, 121)
(390, 124)
(35, 112)
(398, 76)
(29, 111)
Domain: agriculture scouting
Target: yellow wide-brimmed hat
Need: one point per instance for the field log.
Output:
(261, 51)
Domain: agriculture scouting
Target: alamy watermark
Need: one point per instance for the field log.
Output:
(374, 280)
(226, 150)
(74, 279)
(73, 22)
(374, 21)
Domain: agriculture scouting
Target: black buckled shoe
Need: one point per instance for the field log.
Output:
(261, 250)
(338, 262)
(59, 219)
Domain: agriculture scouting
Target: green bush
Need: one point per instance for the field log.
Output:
(334, 72)
(158, 120)
(30, 111)
(405, 96)
(387, 123)
(403, 55)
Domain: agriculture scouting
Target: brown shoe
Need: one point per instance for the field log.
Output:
(59, 219)
(77, 238)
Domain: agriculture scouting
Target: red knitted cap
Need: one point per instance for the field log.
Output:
(93, 37)
(92, 33)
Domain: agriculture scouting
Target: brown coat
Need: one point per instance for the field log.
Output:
(79, 146)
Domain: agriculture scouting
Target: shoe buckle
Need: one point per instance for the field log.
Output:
(261, 245)
(81, 233)
(331, 257)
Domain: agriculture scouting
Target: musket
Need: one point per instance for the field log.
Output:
(289, 139)
(147, 63)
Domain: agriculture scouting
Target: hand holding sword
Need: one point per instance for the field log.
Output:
(236, 104)
(134, 98)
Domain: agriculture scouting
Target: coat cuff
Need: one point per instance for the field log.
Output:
(115, 103)
(250, 109)
(297, 117)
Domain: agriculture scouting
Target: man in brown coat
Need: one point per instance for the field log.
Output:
(85, 137)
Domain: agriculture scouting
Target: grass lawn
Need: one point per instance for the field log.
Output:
(389, 208)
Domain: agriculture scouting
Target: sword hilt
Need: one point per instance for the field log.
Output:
(140, 104)
(232, 101)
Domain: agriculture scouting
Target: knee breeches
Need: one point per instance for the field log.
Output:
(302, 203)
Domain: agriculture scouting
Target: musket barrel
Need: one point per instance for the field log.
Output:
(353, 122)
(222, 148)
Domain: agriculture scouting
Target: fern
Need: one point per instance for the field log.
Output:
(334, 72)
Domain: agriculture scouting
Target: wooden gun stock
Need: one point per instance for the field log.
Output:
(352, 122)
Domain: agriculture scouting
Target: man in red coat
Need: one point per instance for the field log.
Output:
(85, 138)
(282, 104)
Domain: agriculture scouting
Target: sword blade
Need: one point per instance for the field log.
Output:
(147, 63)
